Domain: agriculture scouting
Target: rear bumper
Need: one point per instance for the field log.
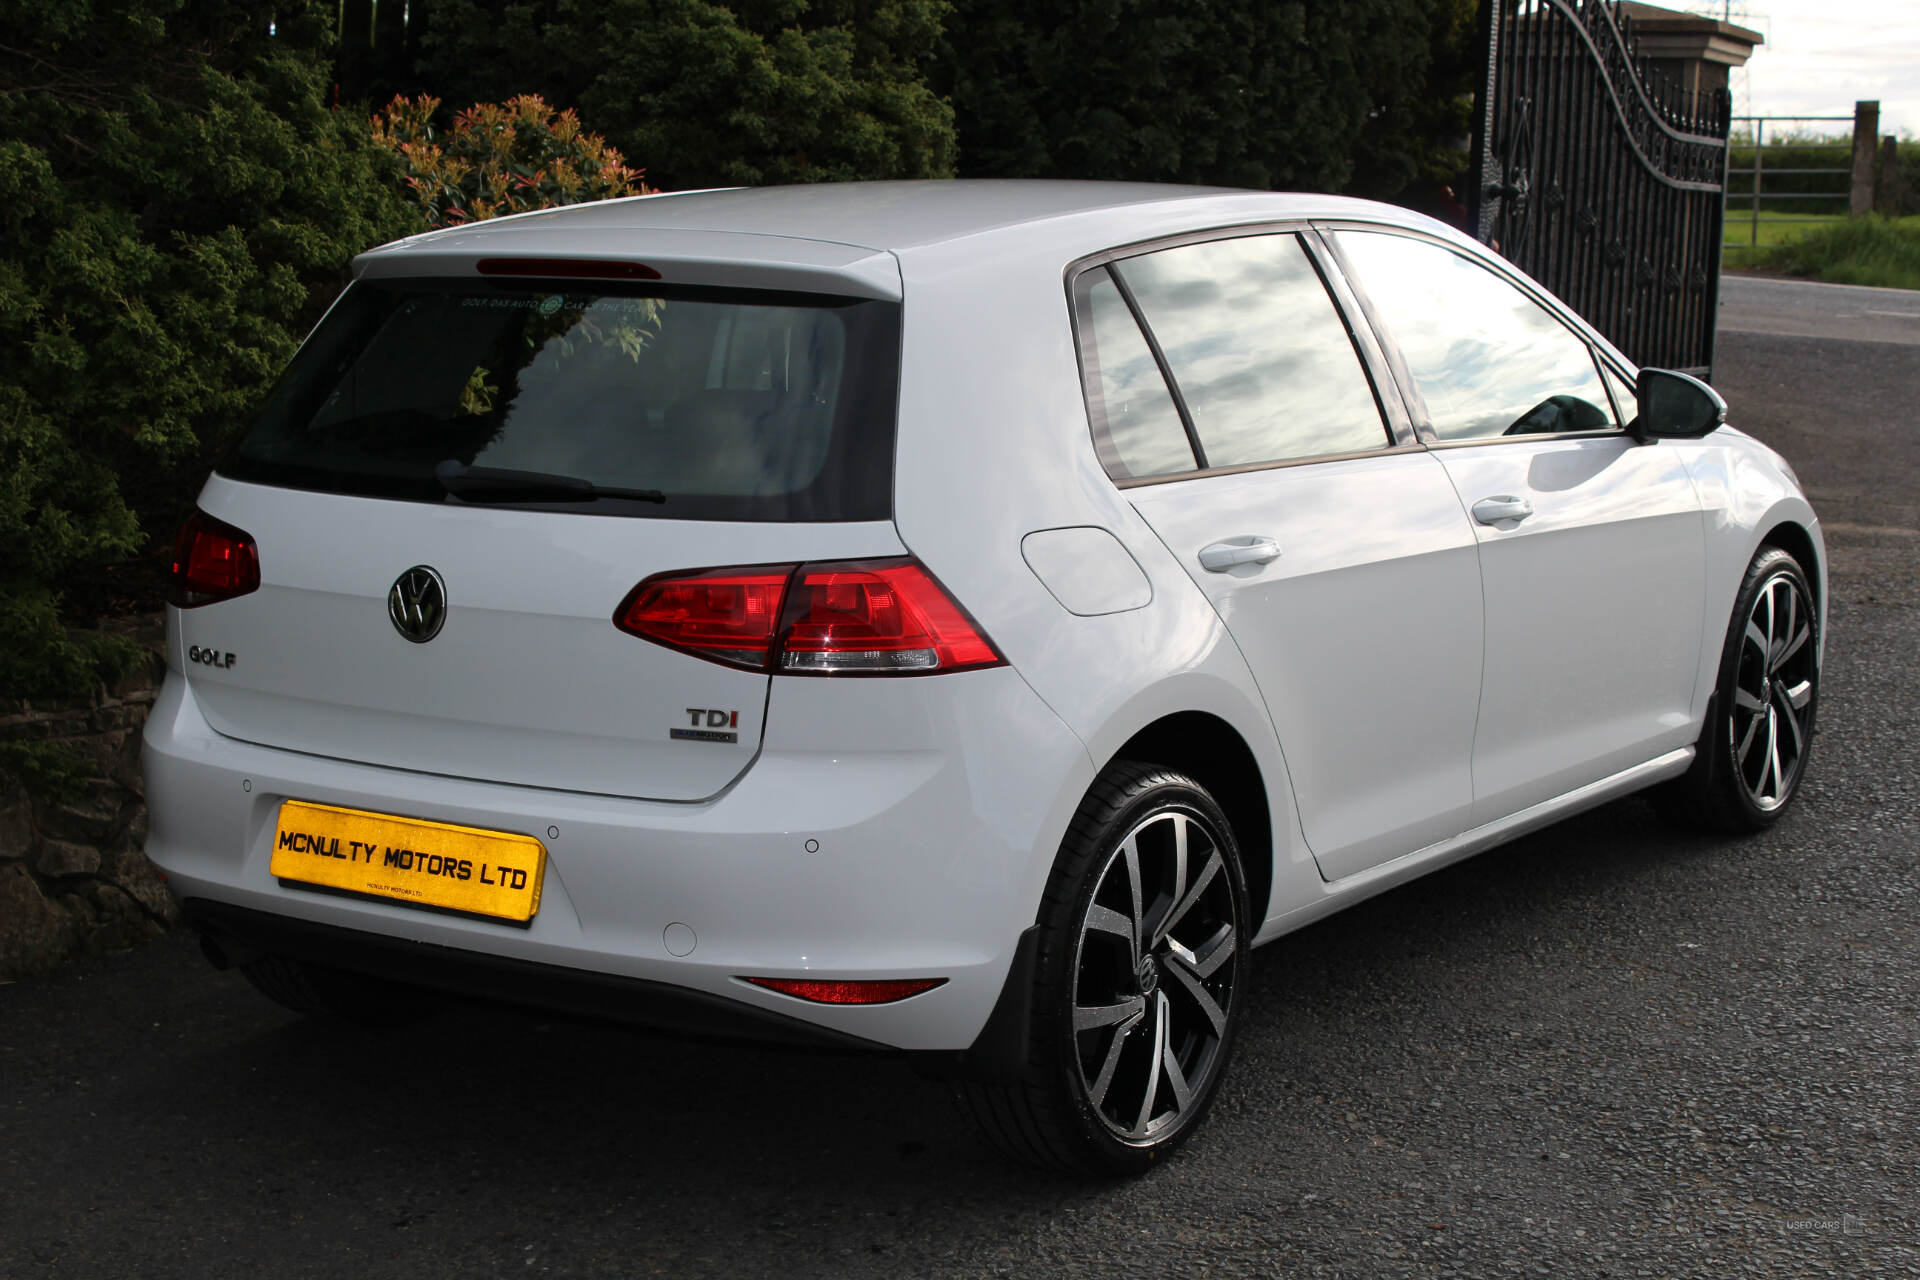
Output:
(918, 849)
(240, 934)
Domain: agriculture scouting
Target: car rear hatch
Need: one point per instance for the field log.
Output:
(460, 480)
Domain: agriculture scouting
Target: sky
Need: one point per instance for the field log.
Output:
(1821, 56)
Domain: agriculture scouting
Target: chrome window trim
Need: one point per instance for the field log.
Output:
(1137, 482)
(1611, 433)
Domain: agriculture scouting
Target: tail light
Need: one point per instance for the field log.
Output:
(724, 615)
(857, 617)
(212, 561)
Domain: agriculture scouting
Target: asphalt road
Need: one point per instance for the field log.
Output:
(1607, 1050)
(1765, 304)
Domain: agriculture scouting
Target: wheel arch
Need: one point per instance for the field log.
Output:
(1213, 753)
(1797, 541)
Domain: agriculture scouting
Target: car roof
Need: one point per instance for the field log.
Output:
(902, 216)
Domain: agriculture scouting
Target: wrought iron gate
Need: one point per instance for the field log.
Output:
(1600, 178)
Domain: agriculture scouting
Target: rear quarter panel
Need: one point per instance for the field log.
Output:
(993, 445)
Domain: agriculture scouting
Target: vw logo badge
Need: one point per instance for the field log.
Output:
(417, 604)
(1149, 975)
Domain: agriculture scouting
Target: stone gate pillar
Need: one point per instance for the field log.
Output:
(1692, 50)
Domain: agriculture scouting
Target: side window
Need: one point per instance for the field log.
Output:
(1487, 359)
(1258, 353)
(1136, 427)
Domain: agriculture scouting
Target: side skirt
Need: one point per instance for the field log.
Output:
(1344, 892)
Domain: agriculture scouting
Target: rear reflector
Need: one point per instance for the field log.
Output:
(567, 268)
(857, 617)
(884, 991)
(212, 561)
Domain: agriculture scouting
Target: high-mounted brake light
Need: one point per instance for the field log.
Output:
(567, 268)
(212, 561)
(855, 617)
(882, 991)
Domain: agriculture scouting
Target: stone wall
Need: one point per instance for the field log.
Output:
(73, 878)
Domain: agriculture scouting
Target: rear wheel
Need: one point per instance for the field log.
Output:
(1140, 981)
(337, 995)
(1753, 751)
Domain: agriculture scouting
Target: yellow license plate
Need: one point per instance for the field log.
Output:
(423, 864)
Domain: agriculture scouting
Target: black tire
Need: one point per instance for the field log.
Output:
(1155, 1029)
(1753, 750)
(337, 995)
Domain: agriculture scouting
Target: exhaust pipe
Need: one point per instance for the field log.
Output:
(216, 954)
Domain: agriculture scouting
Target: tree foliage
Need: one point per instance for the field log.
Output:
(1419, 130)
(180, 188)
(1250, 93)
(174, 195)
(708, 94)
(499, 158)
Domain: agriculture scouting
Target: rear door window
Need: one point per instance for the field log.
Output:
(1258, 352)
(731, 405)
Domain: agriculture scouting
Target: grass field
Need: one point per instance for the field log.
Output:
(1774, 227)
(1742, 254)
(1873, 250)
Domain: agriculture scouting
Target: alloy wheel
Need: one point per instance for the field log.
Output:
(1771, 717)
(1155, 976)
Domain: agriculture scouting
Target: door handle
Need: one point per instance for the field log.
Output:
(1219, 557)
(1504, 507)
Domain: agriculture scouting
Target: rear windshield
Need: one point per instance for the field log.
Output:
(728, 405)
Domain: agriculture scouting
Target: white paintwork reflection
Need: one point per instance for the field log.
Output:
(528, 681)
(1593, 607)
(1746, 490)
(1364, 637)
(1087, 570)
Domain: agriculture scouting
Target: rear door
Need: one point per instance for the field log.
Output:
(1592, 545)
(459, 481)
(1241, 418)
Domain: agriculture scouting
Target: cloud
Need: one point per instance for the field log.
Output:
(1821, 57)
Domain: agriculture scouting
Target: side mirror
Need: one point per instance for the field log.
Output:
(1675, 406)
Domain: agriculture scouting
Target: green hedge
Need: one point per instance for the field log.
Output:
(1373, 95)
(181, 188)
(176, 201)
(702, 94)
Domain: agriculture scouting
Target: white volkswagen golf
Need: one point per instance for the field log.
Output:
(956, 619)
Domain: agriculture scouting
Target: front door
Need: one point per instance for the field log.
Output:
(1592, 544)
(1593, 611)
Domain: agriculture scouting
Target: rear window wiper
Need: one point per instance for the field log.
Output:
(495, 484)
